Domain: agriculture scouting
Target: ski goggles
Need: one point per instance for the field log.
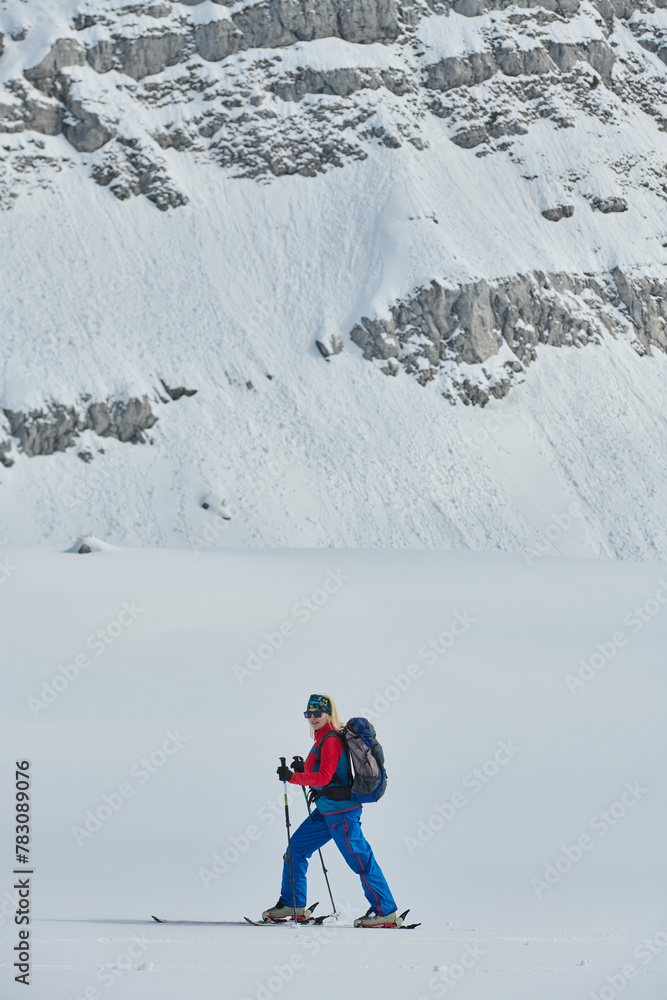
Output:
(317, 714)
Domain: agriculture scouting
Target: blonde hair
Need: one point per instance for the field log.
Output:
(333, 717)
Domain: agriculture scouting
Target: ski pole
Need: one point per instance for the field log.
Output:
(283, 763)
(335, 912)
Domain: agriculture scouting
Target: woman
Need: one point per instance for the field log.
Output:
(337, 818)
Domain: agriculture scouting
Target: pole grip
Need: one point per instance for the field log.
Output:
(282, 762)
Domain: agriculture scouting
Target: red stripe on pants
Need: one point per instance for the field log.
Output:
(378, 911)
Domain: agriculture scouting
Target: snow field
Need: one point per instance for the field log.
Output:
(522, 819)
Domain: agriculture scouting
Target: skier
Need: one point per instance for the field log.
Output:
(337, 817)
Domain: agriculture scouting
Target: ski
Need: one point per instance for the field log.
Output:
(285, 923)
(311, 922)
(246, 920)
(241, 923)
(209, 923)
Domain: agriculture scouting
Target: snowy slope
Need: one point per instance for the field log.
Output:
(323, 453)
(495, 727)
(303, 190)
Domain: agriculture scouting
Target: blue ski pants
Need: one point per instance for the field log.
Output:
(344, 829)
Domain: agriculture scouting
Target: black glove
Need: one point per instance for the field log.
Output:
(284, 773)
(297, 765)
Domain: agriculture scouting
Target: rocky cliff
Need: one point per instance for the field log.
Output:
(287, 87)
(239, 82)
(284, 202)
(475, 340)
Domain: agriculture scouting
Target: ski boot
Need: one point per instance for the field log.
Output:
(283, 912)
(371, 919)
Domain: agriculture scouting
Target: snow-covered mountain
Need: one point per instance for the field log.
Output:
(353, 272)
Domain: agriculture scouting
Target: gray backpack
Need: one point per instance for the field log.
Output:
(366, 757)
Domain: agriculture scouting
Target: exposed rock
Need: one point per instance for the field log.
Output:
(89, 133)
(101, 56)
(178, 392)
(598, 54)
(56, 427)
(439, 329)
(125, 421)
(89, 543)
(473, 393)
(308, 142)
(338, 82)
(269, 24)
(41, 432)
(614, 204)
(176, 139)
(239, 125)
(558, 213)
(138, 57)
(646, 303)
(65, 52)
(45, 118)
(391, 368)
(342, 83)
(470, 137)
(472, 8)
(5, 447)
(220, 39)
(82, 21)
(501, 388)
(333, 345)
(87, 136)
(513, 61)
(510, 60)
(460, 71)
(130, 170)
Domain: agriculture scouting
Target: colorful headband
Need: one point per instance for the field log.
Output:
(320, 701)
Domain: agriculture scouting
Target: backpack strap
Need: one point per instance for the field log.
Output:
(336, 790)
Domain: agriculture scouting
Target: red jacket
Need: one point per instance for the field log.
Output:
(331, 752)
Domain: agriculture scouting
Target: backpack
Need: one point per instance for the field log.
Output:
(366, 758)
